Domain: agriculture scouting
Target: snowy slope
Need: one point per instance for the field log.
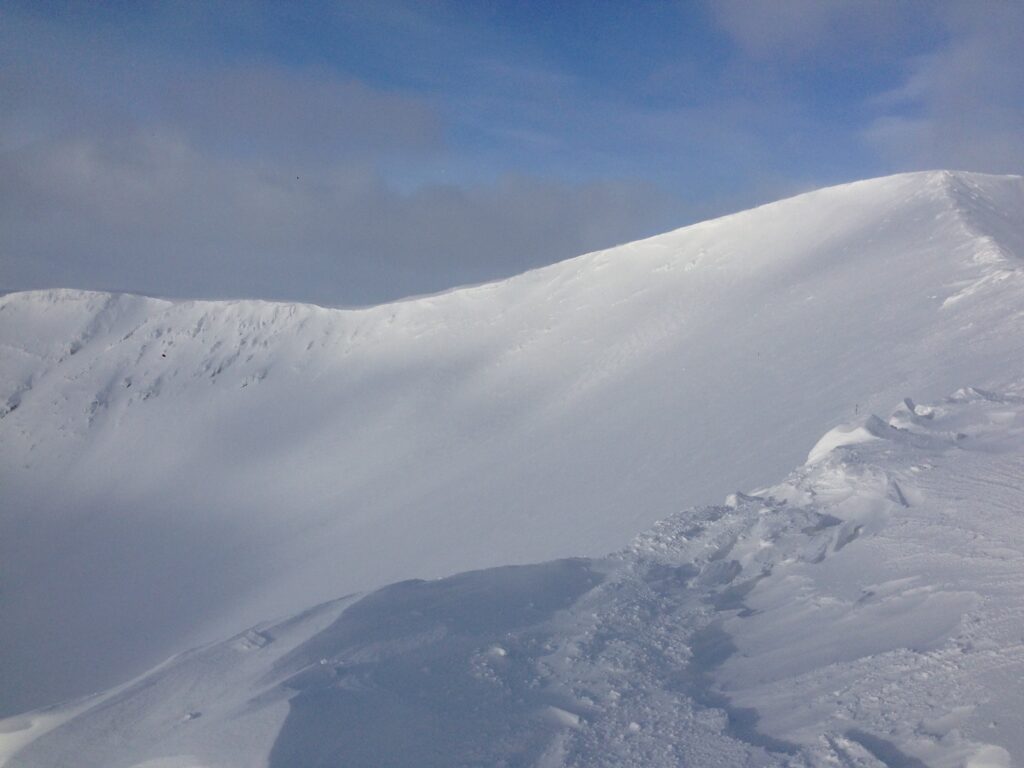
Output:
(175, 471)
(867, 611)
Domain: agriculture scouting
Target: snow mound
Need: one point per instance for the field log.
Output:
(867, 611)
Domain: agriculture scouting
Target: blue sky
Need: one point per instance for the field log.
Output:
(348, 153)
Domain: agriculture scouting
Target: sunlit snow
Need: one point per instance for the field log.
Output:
(174, 472)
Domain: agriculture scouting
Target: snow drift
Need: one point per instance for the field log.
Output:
(867, 611)
(175, 471)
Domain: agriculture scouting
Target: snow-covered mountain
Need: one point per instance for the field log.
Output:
(173, 472)
(868, 611)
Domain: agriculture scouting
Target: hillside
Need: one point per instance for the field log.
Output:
(173, 472)
(867, 611)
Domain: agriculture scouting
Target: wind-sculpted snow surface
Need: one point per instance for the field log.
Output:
(868, 611)
(173, 472)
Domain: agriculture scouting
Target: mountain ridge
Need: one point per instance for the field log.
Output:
(234, 460)
(949, 177)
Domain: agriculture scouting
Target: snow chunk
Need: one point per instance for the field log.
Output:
(990, 756)
(563, 717)
(840, 437)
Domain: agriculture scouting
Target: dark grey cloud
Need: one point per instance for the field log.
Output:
(127, 170)
(151, 212)
(312, 116)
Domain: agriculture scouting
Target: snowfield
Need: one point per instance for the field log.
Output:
(867, 611)
(173, 472)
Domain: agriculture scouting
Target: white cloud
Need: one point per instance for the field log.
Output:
(961, 106)
(789, 30)
(957, 98)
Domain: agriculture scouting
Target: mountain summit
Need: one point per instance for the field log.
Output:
(174, 472)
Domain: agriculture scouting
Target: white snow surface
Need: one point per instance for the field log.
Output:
(868, 611)
(173, 472)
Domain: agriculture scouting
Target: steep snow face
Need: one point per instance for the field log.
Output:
(174, 471)
(867, 611)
